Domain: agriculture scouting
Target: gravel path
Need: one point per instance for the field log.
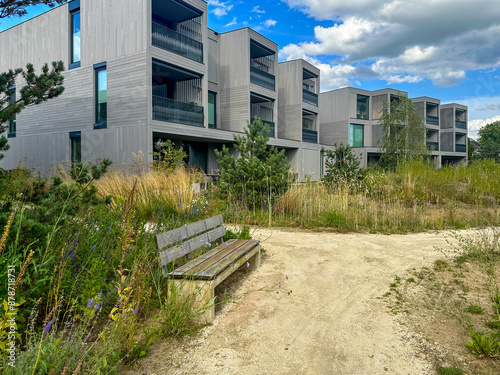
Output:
(333, 321)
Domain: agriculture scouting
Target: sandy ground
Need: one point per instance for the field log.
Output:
(333, 321)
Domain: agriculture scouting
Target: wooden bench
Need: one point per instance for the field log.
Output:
(198, 277)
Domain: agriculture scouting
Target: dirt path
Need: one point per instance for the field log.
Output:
(333, 322)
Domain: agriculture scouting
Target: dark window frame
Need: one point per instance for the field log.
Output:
(214, 125)
(13, 121)
(76, 141)
(74, 9)
(99, 124)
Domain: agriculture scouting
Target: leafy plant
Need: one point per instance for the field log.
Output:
(342, 166)
(484, 344)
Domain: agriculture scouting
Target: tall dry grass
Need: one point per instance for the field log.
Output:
(154, 190)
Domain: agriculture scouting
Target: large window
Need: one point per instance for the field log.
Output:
(12, 122)
(356, 138)
(362, 107)
(212, 110)
(76, 147)
(74, 8)
(101, 96)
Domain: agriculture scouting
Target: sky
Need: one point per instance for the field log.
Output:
(444, 49)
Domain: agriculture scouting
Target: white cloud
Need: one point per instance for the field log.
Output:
(270, 23)
(221, 8)
(233, 22)
(476, 125)
(405, 41)
(257, 9)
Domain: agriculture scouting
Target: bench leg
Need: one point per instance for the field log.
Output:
(254, 261)
(201, 292)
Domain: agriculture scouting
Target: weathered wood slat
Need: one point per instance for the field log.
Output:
(233, 267)
(192, 269)
(191, 245)
(226, 261)
(186, 268)
(166, 239)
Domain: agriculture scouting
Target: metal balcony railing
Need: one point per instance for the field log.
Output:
(432, 120)
(261, 78)
(178, 112)
(309, 97)
(171, 40)
(433, 146)
(460, 148)
(309, 136)
(272, 126)
(460, 124)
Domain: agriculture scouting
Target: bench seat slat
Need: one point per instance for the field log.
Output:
(176, 252)
(173, 236)
(231, 258)
(186, 268)
(214, 261)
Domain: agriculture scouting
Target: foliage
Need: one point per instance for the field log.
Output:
(450, 371)
(341, 166)
(17, 8)
(403, 137)
(259, 171)
(489, 139)
(167, 158)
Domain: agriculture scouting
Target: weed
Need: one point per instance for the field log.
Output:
(450, 371)
(474, 309)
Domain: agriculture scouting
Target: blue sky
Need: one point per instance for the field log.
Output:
(446, 49)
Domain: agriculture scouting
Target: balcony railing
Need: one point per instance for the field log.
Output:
(433, 146)
(310, 136)
(171, 40)
(261, 78)
(309, 97)
(432, 120)
(460, 124)
(272, 126)
(173, 111)
(460, 148)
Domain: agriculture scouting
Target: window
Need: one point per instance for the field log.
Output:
(212, 110)
(356, 138)
(101, 93)
(12, 122)
(362, 107)
(76, 146)
(74, 8)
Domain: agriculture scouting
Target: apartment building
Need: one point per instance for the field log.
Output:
(351, 116)
(153, 71)
(140, 72)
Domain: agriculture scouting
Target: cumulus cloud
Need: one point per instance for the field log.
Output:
(270, 23)
(256, 9)
(221, 8)
(476, 125)
(405, 41)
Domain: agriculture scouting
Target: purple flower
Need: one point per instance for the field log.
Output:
(98, 306)
(248, 264)
(67, 239)
(47, 327)
(74, 242)
(286, 277)
(93, 247)
(91, 303)
(227, 244)
(109, 230)
(209, 244)
(86, 337)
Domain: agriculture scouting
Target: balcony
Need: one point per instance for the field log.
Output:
(460, 148)
(433, 146)
(309, 97)
(172, 41)
(309, 136)
(460, 124)
(432, 120)
(178, 112)
(262, 78)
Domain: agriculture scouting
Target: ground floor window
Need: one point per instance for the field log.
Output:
(76, 147)
(356, 137)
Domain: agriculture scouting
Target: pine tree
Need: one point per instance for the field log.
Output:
(258, 171)
(341, 166)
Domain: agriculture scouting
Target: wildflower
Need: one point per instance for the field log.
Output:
(226, 244)
(97, 306)
(286, 277)
(91, 303)
(86, 337)
(109, 230)
(248, 264)
(67, 239)
(47, 327)
(135, 310)
(209, 244)
(93, 247)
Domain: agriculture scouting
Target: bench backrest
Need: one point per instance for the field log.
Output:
(184, 241)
